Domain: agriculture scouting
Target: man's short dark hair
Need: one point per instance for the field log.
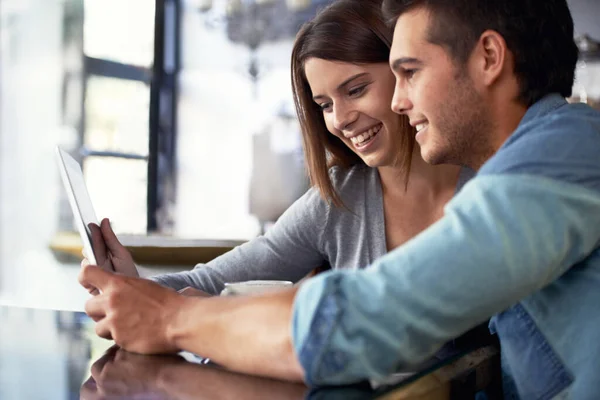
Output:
(539, 33)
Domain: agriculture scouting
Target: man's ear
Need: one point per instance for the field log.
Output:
(490, 57)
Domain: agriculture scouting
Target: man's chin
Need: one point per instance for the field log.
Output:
(430, 156)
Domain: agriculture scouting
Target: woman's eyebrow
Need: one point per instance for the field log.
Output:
(343, 84)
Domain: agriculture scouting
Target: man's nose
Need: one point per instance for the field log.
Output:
(400, 102)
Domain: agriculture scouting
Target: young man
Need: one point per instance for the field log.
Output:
(484, 83)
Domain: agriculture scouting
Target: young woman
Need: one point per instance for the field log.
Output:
(371, 191)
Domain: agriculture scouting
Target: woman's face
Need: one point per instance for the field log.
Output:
(356, 105)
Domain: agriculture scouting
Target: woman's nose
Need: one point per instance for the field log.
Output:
(343, 117)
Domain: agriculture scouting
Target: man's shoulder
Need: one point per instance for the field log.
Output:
(562, 144)
(576, 126)
(576, 119)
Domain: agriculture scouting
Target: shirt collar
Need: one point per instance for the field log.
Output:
(543, 106)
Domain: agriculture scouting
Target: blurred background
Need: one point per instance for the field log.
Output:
(180, 112)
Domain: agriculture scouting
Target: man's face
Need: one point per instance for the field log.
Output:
(437, 94)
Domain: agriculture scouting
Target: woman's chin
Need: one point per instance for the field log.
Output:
(372, 162)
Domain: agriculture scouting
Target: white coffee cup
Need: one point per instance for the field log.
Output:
(254, 287)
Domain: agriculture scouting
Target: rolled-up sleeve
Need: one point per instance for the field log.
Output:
(328, 334)
(502, 238)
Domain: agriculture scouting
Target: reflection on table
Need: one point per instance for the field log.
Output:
(49, 355)
(44, 354)
(120, 374)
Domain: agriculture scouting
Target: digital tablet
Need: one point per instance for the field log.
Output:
(79, 199)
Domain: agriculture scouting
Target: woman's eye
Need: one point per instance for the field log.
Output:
(356, 91)
(325, 106)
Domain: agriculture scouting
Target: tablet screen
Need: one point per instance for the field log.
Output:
(79, 199)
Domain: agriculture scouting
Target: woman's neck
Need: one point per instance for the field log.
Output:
(424, 179)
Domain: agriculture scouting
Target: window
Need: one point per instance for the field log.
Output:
(187, 125)
(118, 51)
(113, 91)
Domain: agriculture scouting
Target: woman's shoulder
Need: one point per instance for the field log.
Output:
(357, 174)
(355, 184)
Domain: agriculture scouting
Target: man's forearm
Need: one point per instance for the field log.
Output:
(249, 334)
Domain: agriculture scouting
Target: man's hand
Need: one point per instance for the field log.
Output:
(110, 254)
(136, 313)
(144, 317)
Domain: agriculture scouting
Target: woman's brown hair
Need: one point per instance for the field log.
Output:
(351, 31)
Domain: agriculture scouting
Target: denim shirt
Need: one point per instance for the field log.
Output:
(520, 242)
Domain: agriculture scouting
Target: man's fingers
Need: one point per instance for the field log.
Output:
(111, 240)
(92, 290)
(103, 330)
(95, 308)
(98, 245)
(92, 277)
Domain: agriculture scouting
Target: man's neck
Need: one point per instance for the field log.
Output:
(431, 178)
(505, 118)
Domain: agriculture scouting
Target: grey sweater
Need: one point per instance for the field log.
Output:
(309, 234)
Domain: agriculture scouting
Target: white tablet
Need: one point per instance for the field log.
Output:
(79, 198)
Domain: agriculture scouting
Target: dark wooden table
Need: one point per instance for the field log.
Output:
(55, 355)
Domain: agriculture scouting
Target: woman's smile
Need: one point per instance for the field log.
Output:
(364, 141)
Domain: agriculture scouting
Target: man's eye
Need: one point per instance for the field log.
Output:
(409, 73)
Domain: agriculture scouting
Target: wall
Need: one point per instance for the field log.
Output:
(586, 14)
(29, 130)
(222, 114)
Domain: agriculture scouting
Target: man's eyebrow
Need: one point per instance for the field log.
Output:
(341, 85)
(397, 63)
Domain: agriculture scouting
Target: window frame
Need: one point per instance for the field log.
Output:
(161, 76)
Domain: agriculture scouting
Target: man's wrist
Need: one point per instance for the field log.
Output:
(178, 326)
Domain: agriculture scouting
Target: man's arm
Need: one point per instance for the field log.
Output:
(503, 237)
(249, 334)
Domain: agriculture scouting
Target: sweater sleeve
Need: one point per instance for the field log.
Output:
(288, 251)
